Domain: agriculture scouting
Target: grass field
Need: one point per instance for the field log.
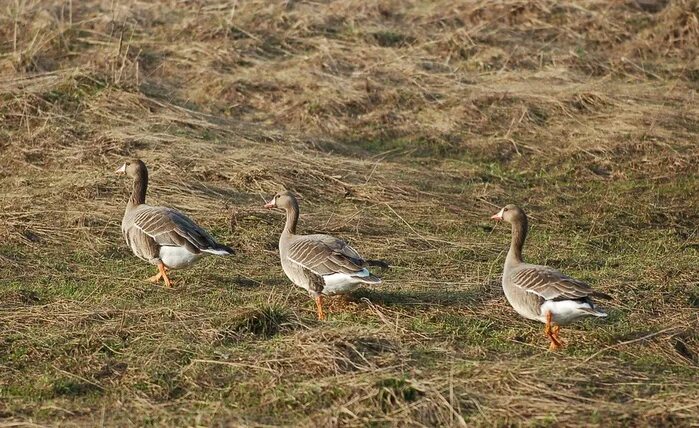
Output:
(403, 125)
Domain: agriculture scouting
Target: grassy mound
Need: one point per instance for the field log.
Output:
(403, 125)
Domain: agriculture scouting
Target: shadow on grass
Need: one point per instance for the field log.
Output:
(479, 294)
(239, 281)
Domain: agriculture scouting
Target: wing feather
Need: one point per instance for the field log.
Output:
(169, 227)
(325, 255)
(551, 284)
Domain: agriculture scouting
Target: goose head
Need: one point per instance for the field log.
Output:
(510, 213)
(132, 168)
(284, 200)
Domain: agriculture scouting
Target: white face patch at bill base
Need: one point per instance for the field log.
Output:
(121, 169)
(499, 215)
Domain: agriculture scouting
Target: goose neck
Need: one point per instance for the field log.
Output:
(519, 235)
(292, 218)
(138, 194)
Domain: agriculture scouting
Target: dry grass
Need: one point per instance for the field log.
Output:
(403, 125)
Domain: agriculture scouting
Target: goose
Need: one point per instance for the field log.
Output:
(321, 264)
(541, 293)
(162, 236)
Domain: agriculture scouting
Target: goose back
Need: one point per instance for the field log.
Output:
(148, 229)
(323, 264)
(535, 290)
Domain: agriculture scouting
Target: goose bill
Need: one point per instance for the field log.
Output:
(498, 216)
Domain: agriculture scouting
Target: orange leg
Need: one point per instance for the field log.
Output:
(161, 274)
(551, 331)
(319, 306)
(155, 278)
(555, 330)
(162, 269)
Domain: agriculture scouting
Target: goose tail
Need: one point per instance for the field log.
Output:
(371, 279)
(378, 263)
(220, 250)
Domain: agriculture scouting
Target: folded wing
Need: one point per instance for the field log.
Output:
(169, 227)
(325, 255)
(551, 284)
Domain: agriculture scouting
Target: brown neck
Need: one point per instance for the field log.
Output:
(138, 195)
(292, 217)
(519, 234)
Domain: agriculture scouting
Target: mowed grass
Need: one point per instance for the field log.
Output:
(403, 126)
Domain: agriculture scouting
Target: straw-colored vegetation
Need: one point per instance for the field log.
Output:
(403, 125)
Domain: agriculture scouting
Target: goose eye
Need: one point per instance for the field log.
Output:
(504, 209)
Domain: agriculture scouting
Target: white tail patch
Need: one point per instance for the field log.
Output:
(338, 283)
(567, 311)
(217, 252)
(177, 257)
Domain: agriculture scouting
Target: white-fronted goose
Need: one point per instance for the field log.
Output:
(162, 236)
(541, 293)
(321, 264)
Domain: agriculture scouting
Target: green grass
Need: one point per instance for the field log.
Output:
(404, 127)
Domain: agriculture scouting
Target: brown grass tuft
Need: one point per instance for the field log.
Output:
(403, 125)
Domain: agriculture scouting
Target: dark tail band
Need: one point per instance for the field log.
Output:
(225, 248)
(602, 295)
(378, 263)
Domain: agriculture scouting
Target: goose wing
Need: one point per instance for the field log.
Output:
(551, 284)
(325, 255)
(169, 227)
